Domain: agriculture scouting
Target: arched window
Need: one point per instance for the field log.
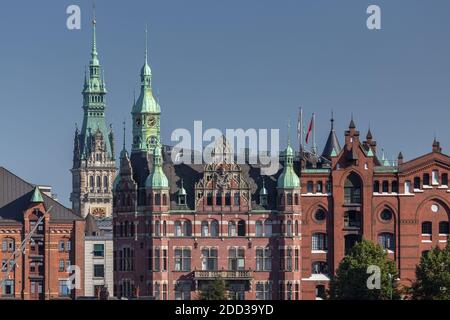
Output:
(228, 199)
(426, 179)
(209, 199)
(177, 227)
(219, 199)
(319, 267)
(444, 227)
(157, 228)
(164, 228)
(319, 242)
(187, 228)
(407, 187)
(310, 187)
(91, 181)
(99, 182)
(444, 179)
(105, 183)
(237, 199)
(352, 189)
(385, 186)
(268, 228)
(395, 186)
(289, 199)
(214, 228)
(205, 229)
(376, 186)
(241, 228)
(231, 229)
(427, 227)
(387, 241)
(435, 177)
(319, 187)
(296, 199)
(417, 183)
(258, 228)
(157, 199)
(289, 228)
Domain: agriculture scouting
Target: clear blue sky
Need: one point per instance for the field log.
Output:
(232, 64)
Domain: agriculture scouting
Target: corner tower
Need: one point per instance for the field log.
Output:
(94, 168)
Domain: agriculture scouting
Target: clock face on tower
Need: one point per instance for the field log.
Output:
(151, 121)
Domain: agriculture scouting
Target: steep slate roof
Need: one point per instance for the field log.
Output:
(192, 173)
(15, 197)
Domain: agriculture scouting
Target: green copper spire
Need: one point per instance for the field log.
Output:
(288, 178)
(146, 112)
(157, 179)
(37, 196)
(94, 103)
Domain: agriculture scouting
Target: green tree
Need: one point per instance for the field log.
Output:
(350, 281)
(433, 276)
(215, 290)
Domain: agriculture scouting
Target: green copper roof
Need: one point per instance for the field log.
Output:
(94, 105)
(370, 152)
(146, 102)
(288, 178)
(37, 196)
(157, 179)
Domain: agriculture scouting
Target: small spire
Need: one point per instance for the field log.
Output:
(94, 37)
(36, 197)
(352, 123)
(146, 44)
(289, 132)
(332, 120)
(369, 134)
(124, 134)
(400, 156)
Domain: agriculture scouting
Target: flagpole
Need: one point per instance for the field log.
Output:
(301, 130)
(314, 134)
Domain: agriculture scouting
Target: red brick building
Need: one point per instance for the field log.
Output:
(40, 238)
(179, 226)
(267, 242)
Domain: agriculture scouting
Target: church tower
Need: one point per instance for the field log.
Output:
(94, 168)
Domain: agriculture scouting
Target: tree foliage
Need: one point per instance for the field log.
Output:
(433, 276)
(350, 281)
(214, 290)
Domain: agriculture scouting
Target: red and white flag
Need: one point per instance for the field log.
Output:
(310, 128)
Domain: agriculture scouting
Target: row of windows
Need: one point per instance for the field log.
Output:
(319, 187)
(183, 228)
(385, 186)
(427, 227)
(222, 200)
(96, 182)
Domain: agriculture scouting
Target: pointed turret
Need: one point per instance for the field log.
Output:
(146, 112)
(400, 158)
(332, 146)
(288, 178)
(36, 197)
(157, 178)
(352, 124)
(436, 146)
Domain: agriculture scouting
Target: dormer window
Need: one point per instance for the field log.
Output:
(182, 199)
(263, 199)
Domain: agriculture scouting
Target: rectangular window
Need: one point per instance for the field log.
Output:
(61, 266)
(64, 290)
(99, 250)
(209, 259)
(236, 259)
(99, 270)
(61, 246)
(69, 246)
(8, 287)
(164, 267)
(157, 259)
(263, 291)
(435, 177)
(182, 260)
(150, 260)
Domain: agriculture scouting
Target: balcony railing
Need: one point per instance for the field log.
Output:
(224, 274)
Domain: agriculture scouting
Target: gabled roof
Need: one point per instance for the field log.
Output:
(422, 161)
(16, 195)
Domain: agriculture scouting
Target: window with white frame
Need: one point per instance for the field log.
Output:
(182, 259)
(263, 259)
(209, 259)
(263, 291)
(236, 259)
(387, 241)
(319, 242)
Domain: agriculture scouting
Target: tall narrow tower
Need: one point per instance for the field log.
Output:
(146, 115)
(94, 168)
